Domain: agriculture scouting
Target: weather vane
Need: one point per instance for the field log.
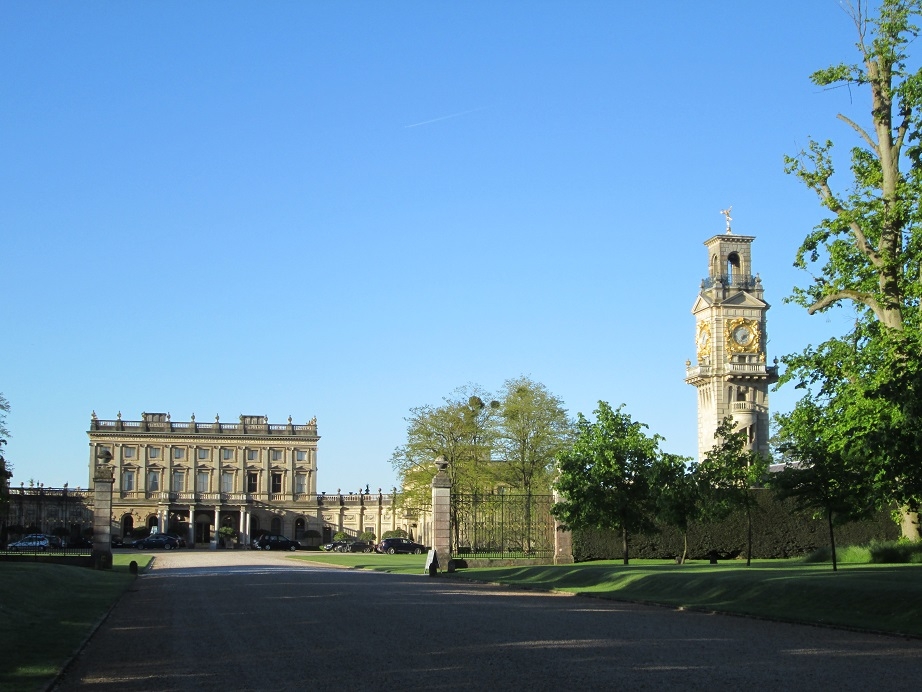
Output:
(726, 213)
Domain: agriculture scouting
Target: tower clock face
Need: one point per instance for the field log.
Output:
(742, 336)
(703, 341)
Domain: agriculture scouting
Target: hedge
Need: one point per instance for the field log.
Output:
(778, 531)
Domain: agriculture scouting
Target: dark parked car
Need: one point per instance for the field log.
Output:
(270, 541)
(335, 546)
(399, 545)
(355, 547)
(33, 542)
(179, 539)
(157, 540)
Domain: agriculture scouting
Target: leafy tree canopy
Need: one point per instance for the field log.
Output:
(866, 253)
(605, 476)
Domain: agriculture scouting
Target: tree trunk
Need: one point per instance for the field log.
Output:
(624, 543)
(684, 547)
(749, 534)
(832, 539)
(909, 524)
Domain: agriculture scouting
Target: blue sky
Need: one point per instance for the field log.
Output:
(348, 209)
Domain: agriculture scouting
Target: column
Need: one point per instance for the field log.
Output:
(103, 480)
(191, 531)
(563, 541)
(217, 525)
(441, 514)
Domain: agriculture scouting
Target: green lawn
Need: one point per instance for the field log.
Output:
(885, 598)
(46, 611)
(401, 564)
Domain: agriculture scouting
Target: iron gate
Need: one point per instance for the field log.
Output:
(502, 525)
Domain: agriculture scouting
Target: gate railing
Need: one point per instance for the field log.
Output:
(502, 525)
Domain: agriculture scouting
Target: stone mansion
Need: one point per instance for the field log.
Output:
(193, 478)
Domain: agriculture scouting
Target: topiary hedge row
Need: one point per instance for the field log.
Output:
(778, 531)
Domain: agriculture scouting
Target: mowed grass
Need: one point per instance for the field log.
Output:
(884, 598)
(46, 612)
(399, 564)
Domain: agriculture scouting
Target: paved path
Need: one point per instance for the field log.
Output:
(256, 621)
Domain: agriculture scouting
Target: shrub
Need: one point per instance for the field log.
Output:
(367, 536)
(396, 533)
(340, 536)
(779, 531)
(895, 552)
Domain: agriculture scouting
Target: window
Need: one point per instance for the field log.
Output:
(252, 482)
(301, 483)
(252, 455)
(153, 481)
(203, 454)
(153, 453)
(300, 455)
(178, 453)
(128, 452)
(276, 455)
(276, 482)
(227, 454)
(128, 480)
(227, 482)
(179, 481)
(201, 482)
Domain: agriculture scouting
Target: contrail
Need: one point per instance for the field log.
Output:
(444, 117)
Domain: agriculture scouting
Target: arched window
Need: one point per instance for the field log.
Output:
(276, 526)
(127, 525)
(715, 266)
(299, 528)
(733, 267)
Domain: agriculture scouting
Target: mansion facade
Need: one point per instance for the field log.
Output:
(194, 478)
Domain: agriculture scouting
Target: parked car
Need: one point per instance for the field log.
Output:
(179, 539)
(157, 540)
(335, 546)
(269, 541)
(35, 541)
(358, 547)
(399, 545)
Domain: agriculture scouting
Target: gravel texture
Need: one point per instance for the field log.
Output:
(248, 620)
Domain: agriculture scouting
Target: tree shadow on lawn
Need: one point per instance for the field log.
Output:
(868, 597)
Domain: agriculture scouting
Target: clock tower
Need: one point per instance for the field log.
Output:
(730, 371)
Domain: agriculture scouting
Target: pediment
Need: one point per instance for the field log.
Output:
(744, 300)
(701, 303)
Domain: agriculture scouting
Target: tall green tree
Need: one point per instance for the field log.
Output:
(866, 253)
(605, 477)
(729, 473)
(678, 496)
(460, 431)
(819, 474)
(531, 429)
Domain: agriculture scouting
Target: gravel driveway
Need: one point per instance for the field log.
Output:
(250, 620)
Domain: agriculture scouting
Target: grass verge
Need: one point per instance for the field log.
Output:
(884, 598)
(398, 564)
(46, 611)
